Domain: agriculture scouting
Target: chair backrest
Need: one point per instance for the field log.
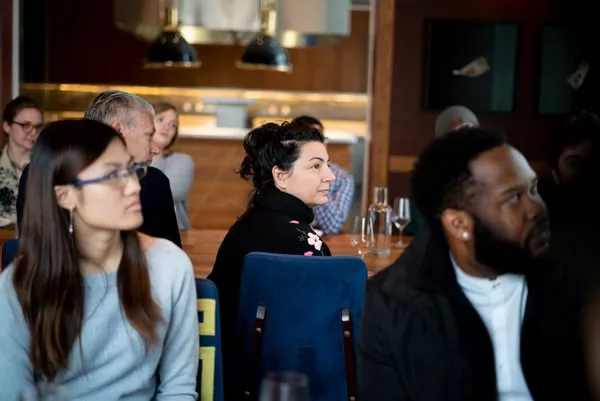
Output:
(210, 370)
(9, 251)
(301, 314)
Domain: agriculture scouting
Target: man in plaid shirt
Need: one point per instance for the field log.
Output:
(330, 217)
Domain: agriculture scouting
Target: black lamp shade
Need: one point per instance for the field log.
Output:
(171, 50)
(265, 53)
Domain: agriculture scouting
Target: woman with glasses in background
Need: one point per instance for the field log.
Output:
(21, 122)
(89, 304)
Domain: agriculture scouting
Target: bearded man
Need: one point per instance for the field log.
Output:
(476, 310)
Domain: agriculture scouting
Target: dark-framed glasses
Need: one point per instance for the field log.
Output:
(117, 177)
(29, 127)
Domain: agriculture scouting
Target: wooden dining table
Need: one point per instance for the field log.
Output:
(202, 246)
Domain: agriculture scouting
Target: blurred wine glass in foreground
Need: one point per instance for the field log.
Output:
(284, 386)
(401, 218)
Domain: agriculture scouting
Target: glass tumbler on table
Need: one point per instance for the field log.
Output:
(363, 236)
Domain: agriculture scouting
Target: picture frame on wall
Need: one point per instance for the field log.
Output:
(471, 63)
(562, 70)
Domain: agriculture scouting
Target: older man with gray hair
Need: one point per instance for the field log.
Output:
(133, 118)
(130, 115)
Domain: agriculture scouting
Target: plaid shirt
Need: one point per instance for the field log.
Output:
(331, 216)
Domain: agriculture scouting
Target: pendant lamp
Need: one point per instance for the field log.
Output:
(171, 50)
(265, 52)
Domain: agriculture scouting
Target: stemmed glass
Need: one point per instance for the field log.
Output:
(363, 237)
(401, 218)
(284, 386)
(45, 392)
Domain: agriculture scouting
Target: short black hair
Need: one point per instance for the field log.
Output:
(307, 120)
(576, 130)
(441, 174)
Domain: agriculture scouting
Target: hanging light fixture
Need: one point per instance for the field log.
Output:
(170, 48)
(265, 52)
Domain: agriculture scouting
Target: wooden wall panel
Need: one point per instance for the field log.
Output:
(6, 57)
(5, 51)
(408, 128)
(218, 195)
(381, 113)
(84, 46)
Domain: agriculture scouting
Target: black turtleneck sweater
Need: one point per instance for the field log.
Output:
(276, 222)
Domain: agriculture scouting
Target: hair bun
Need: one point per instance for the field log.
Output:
(260, 138)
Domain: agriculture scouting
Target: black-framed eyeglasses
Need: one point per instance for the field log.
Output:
(116, 177)
(28, 127)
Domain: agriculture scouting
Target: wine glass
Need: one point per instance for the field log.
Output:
(284, 386)
(401, 218)
(363, 237)
(45, 392)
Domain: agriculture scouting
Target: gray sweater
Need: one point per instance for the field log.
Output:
(179, 168)
(109, 361)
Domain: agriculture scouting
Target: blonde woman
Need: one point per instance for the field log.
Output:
(178, 167)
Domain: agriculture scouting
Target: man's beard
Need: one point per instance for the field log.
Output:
(504, 256)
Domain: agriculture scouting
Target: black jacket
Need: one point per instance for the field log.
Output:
(275, 223)
(158, 209)
(422, 340)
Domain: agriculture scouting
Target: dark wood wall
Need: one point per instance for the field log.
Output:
(84, 46)
(6, 57)
(6, 27)
(402, 128)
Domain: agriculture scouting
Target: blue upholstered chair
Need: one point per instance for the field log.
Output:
(301, 314)
(210, 370)
(9, 251)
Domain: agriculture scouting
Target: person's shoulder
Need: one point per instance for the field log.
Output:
(260, 220)
(264, 229)
(182, 159)
(156, 179)
(155, 175)
(166, 261)
(8, 296)
(394, 287)
(162, 250)
(6, 276)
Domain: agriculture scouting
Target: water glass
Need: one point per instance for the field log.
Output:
(363, 236)
(284, 386)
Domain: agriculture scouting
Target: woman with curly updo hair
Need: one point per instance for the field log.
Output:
(288, 167)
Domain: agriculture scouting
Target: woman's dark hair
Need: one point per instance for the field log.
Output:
(17, 105)
(273, 145)
(307, 120)
(47, 276)
(161, 108)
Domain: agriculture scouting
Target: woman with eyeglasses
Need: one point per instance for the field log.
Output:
(21, 122)
(89, 304)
